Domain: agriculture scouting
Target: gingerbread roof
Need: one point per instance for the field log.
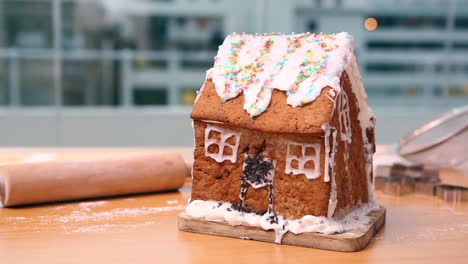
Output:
(277, 83)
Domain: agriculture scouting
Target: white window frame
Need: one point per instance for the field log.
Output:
(221, 143)
(309, 173)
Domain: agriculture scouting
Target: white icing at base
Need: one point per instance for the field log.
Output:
(223, 212)
(225, 134)
(309, 173)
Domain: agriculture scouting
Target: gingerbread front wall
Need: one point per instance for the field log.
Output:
(294, 195)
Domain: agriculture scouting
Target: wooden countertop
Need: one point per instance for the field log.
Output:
(143, 229)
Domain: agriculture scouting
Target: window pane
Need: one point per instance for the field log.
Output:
(90, 82)
(36, 82)
(84, 26)
(28, 23)
(4, 83)
(188, 95)
(150, 96)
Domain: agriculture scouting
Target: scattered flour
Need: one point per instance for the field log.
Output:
(40, 157)
(87, 205)
(90, 218)
(106, 227)
(79, 216)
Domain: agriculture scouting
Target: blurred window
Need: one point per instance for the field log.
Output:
(150, 96)
(404, 45)
(393, 67)
(188, 95)
(36, 84)
(392, 21)
(458, 45)
(461, 23)
(89, 82)
(4, 83)
(28, 23)
(394, 90)
(312, 26)
(158, 32)
(153, 64)
(196, 64)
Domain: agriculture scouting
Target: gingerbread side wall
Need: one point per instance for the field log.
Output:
(351, 178)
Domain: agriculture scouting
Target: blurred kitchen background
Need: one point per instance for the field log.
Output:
(124, 73)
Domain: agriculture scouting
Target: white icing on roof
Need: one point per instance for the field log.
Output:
(302, 65)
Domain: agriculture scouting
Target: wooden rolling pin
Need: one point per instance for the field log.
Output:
(31, 183)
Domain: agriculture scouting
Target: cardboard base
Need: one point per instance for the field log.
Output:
(353, 240)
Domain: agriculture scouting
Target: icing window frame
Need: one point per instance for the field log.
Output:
(309, 173)
(225, 134)
(343, 117)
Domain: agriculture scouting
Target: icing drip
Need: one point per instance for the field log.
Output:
(222, 212)
(348, 175)
(333, 201)
(222, 143)
(302, 65)
(330, 163)
(368, 157)
(303, 159)
(326, 136)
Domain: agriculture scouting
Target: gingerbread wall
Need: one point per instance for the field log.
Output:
(351, 177)
(294, 195)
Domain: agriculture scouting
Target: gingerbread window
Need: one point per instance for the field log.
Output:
(303, 159)
(343, 117)
(221, 144)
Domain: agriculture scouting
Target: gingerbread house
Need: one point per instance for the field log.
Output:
(282, 133)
